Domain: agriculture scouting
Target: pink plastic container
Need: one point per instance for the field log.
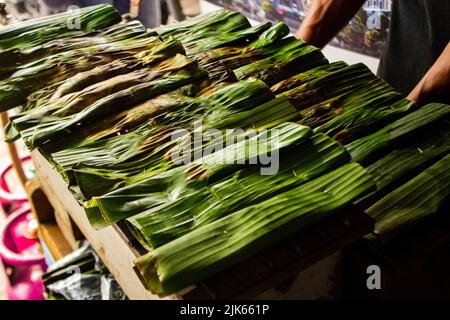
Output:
(9, 200)
(21, 254)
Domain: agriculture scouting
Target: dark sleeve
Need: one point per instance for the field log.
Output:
(419, 32)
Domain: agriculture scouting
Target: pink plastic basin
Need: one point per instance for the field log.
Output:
(7, 196)
(21, 253)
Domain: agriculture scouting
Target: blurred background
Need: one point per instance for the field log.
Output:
(151, 12)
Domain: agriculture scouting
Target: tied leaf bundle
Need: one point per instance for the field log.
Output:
(98, 83)
(38, 31)
(146, 89)
(169, 185)
(211, 248)
(298, 164)
(366, 117)
(327, 96)
(417, 199)
(228, 39)
(292, 56)
(13, 59)
(26, 80)
(364, 147)
(221, 62)
(208, 25)
(146, 157)
(411, 157)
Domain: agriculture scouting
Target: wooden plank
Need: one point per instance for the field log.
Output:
(45, 214)
(107, 242)
(54, 239)
(42, 209)
(13, 154)
(64, 222)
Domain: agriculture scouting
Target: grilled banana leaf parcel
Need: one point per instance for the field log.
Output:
(411, 157)
(40, 30)
(211, 248)
(55, 68)
(297, 165)
(417, 199)
(211, 139)
(109, 79)
(367, 146)
(292, 57)
(151, 85)
(145, 128)
(228, 39)
(307, 76)
(14, 58)
(327, 87)
(366, 117)
(221, 62)
(207, 25)
(170, 185)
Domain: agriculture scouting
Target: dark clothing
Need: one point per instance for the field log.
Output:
(419, 32)
(153, 13)
(123, 6)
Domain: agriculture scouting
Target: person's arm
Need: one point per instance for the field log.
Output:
(435, 85)
(325, 19)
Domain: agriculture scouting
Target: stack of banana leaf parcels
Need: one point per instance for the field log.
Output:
(102, 103)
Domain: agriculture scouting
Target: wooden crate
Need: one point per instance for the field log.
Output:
(108, 243)
(303, 266)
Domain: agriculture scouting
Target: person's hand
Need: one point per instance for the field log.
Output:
(435, 85)
(427, 90)
(325, 19)
(306, 34)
